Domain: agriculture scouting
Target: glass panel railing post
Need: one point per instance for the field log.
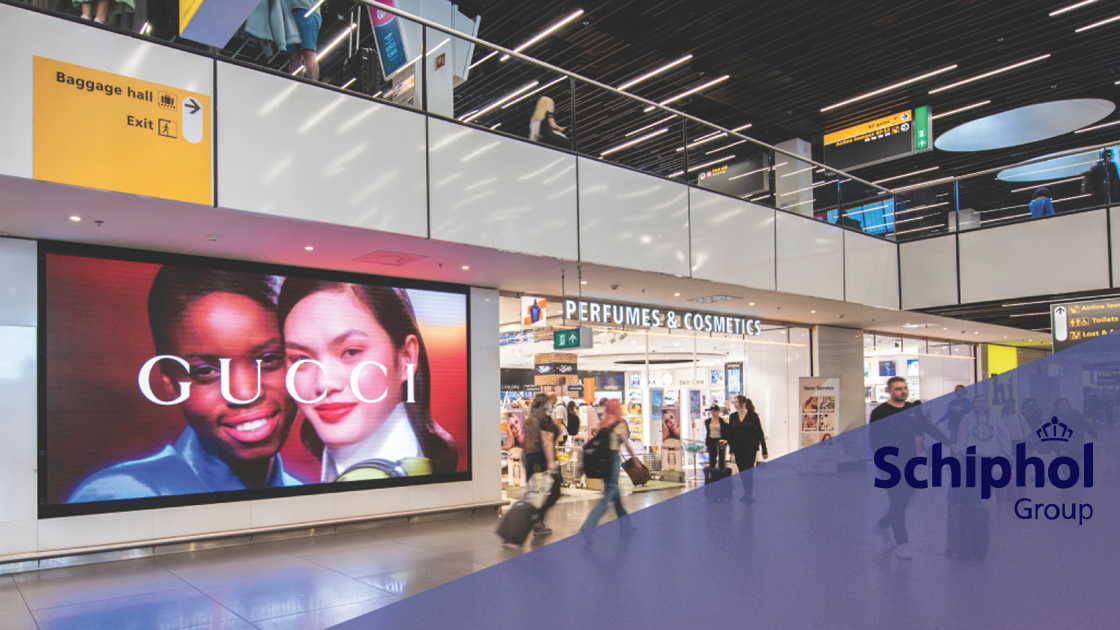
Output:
(572, 120)
(684, 143)
(424, 70)
(957, 206)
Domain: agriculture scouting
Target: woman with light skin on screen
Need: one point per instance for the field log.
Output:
(376, 424)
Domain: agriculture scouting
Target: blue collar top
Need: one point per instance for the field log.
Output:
(185, 468)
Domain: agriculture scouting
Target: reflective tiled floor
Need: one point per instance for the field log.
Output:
(299, 583)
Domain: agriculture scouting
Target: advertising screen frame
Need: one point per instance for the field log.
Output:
(58, 510)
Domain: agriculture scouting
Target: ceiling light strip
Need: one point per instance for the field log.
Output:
(1108, 124)
(545, 33)
(649, 126)
(631, 143)
(1096, 24)
(991, 73)
(652, 73)
(706, 139)
(893, 86)
(959, 110)
(1054, 183)
(481, 60)
(689, 92)
(540, 89)
(499, 102)
(891, 179)
(725, 147)
(1071, 7)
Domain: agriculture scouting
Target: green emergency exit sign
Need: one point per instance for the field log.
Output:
(572, 338)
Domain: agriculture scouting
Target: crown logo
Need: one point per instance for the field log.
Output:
(1055, 431)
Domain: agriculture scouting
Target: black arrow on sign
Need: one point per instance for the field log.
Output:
(193, 105)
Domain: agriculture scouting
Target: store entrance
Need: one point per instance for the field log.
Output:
(664, 379)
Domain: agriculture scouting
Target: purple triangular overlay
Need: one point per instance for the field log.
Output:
(807, 553)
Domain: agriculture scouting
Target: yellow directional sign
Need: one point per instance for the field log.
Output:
(870, 127)
(103, 130)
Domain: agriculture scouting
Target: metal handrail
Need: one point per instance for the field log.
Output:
(536, 62)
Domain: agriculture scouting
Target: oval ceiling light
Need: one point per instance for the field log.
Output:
(1049, 170)
(1024, 125)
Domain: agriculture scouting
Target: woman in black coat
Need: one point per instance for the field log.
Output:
(717, 434)
(746, 438)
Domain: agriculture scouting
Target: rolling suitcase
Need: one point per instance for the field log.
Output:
(515, 526)
(720, 472)
(639, 474)
(968, 531)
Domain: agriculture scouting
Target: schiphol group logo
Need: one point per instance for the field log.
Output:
(994, 472)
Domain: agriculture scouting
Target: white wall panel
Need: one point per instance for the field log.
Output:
(632, 220)
(18, 434)
(201, 519)
(99, 529)
(929, 272)
(493, 191)
(810, 257)
(1053, 255)
(19, 287)
(367, 502)
(732, 240)
(441, 494)
(870, 271)
(24, 34)
(291, 510)
(295, 150)
(486, 436)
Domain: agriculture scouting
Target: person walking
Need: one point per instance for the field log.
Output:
(543, 127)
(619, 437)
(746, 437)
(1041, 206)
(539, 455)
(716, 434)
(906, 434)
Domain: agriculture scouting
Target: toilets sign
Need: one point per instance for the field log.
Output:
(655, 317)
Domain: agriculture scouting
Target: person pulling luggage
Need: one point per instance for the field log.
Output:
(618, 436)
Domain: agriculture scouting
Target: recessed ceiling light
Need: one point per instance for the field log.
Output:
(676, 295)
(977, 332)
(309, 248)
(465, 267)
(75, 218)
(814, 312)
(583, 282)
(751, 304)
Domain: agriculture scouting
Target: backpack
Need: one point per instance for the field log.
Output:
(597, 455)
(573, 423)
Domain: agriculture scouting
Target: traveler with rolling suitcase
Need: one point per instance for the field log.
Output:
(717, 434)
(524, 515)
(601, 458)
(540, 454)
(968, 516)
(906, 434)
(746, 437)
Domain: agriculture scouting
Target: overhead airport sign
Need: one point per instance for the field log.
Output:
(1074, 323)
(887, 138)
(103, 130)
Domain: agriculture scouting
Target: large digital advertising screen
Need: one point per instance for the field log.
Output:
(171, 380)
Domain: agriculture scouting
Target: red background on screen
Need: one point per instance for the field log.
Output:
(98, 337)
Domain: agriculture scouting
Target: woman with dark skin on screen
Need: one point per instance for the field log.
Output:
(202, 316)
